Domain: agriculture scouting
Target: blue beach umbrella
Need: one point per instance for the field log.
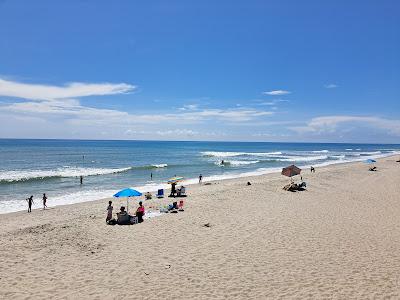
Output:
(370, 161)
(128, 193)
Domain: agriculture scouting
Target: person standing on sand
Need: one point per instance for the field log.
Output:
(30, 202)
(140, 212)
(200, 179)
(173, 189)
(109, 211)
(44, 201)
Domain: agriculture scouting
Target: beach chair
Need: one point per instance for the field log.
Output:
(181, 192)
(180, 206)
(160, 193)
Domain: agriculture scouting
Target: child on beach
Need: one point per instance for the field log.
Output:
(109, 211)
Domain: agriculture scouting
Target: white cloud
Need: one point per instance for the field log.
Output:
(330, 86)
(273, 102)
(330, 124)
(70, 90)
(277, 93)
(177, 132)
(189, 107)
(53, 102)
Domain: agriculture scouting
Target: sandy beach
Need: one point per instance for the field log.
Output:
(339, 239)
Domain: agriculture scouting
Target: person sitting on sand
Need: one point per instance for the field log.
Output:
(140, 212)
(312, 169)
(109, 211)
(122, 217)
(148, 196)
(181, 191)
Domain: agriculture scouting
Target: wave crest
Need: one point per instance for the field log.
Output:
(64, 172)
(232, 154)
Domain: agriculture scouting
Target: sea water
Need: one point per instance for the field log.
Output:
(54, 167)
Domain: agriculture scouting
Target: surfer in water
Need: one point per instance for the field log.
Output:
(222, 162)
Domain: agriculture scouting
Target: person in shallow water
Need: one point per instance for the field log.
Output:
(30, 202)
(140, 212)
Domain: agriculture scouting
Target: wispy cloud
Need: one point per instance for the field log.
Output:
(189, 107)
(50, 102)
(330, 86)
(70, 90)
(330, 124)
(272, 102)
(277, 93)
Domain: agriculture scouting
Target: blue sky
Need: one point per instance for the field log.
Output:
(326, 71)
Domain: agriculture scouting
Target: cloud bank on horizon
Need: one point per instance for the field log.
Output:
(231, 72)
(60, 107)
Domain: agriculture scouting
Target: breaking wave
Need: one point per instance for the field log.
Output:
(232, 154)
(237, 162)
(320, 151)
(64, 172)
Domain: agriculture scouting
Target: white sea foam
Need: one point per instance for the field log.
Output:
(349, 149)
(160, 165)
(303, 158)
(232, 154)
(238, 162)
(22, 175)
(320, 151)
(371, 153)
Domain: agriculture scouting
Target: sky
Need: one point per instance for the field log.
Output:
(303, 71)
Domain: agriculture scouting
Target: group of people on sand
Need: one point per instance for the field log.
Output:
(30, 202)
(180, 192)
(123, 218)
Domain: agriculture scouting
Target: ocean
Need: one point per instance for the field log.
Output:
(34, 167)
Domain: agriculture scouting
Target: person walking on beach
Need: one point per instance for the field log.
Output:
(30, 202)
(44, 201)
(200, 179)
(81, 179)
(109, 211)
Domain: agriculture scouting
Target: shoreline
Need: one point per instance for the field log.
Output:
(270, 173)
(214, 178)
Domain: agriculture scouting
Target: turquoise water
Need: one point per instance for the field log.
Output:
(32, 167)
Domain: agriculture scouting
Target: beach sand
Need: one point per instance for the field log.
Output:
(340, 239)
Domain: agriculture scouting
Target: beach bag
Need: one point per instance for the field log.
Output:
(134, 220)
